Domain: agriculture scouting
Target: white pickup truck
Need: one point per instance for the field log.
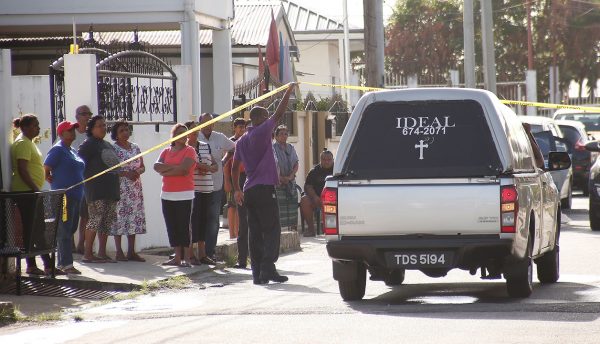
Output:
(437, 179)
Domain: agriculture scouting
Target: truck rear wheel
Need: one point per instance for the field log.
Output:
(519, 281)
(548, 266)
(354, 289)
(395, 277)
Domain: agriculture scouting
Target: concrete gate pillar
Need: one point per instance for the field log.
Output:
(5, 117)
(190, 53)
(222, 73)
(184, 93)
(81, 83)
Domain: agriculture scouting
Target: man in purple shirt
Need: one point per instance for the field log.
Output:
(255, 150)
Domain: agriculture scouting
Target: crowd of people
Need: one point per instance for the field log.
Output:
(255, 173)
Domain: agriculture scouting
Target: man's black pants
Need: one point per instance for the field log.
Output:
(264, 229)
(242, 239)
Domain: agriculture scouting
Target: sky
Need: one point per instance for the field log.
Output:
(333, 9)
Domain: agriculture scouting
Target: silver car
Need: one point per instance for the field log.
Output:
(550, 138)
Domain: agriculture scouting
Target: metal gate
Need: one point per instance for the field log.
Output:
(133, 85)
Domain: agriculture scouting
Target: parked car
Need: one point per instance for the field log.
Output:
(591, 120)
(550, 139)
(581, 159)
(438, 179)
(594, 187)
(539, 123)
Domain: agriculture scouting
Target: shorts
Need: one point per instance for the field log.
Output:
(83, 209)
(102, 216)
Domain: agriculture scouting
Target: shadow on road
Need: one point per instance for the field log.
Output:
(470, 300)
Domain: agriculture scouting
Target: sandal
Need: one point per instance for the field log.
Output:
(35, 271)
(170, 263)
(107, 259)
(57, 272)
(136, 258)
(72, 271)
(195, 261)
(93, 260)
(207, 260)
(121, 258)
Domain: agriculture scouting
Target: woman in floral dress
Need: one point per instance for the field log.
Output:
(131, 218)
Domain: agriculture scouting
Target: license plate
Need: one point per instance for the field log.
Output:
(412, 259)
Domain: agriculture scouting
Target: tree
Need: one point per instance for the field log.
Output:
(582, 44)
(424, 36)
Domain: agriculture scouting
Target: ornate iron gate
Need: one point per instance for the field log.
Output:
(138, 87)
(133, 85)
(57, 86)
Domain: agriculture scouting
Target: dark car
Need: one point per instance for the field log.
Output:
(594, 187)
(574, 132)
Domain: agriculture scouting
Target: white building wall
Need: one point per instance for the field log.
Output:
(31, 94)
(311, 64)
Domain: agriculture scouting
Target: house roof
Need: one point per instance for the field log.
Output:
(304, 19)
(250, 27)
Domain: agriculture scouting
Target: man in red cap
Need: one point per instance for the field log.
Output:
(64, 168)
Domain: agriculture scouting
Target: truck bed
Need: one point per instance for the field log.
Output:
(407, 207)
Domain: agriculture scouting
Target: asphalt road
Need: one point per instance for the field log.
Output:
(225, 307)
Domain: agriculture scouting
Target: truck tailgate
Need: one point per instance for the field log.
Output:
(441, 209)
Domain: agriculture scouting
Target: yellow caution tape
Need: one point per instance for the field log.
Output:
(504, 101)
(197, 128)
(358, 88)
(551, 106)
(65, 217)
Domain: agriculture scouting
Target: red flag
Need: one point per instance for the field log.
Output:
(261, 71)
(273, 48)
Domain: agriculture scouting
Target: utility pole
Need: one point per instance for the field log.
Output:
(469, 44)
(529, 38)
(487, 33)
(347, 64)
(531, 76)
(374, 42)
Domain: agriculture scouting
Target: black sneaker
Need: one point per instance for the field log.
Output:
(274, 276)
(239, 266)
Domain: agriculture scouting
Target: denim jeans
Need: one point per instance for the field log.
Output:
(64, 235)
(212, 223)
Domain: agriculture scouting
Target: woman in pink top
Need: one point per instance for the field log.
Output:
(176, 165)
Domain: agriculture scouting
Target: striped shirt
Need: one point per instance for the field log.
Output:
(203, 182)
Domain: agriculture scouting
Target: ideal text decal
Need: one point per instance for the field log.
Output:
(425, 126)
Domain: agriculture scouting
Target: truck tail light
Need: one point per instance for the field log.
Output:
(329, 202)
(509, 207)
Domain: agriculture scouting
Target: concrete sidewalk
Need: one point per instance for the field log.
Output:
(126, 276)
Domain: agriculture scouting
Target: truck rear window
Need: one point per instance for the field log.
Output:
(422, 139)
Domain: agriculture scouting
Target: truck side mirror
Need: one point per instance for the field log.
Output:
(593, 146)
(558, 161)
